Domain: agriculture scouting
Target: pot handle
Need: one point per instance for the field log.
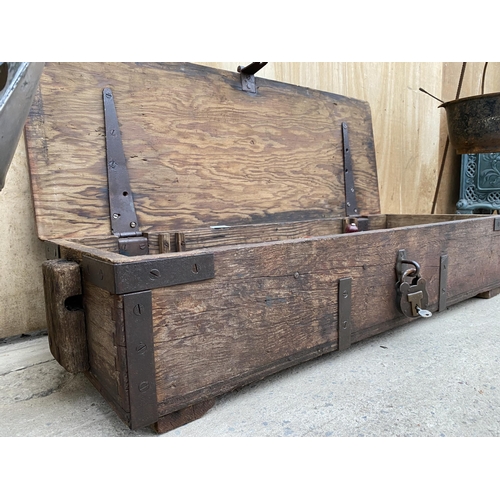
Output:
(482, 80)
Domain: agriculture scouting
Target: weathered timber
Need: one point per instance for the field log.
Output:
(75, 251)
(489, 294)
(109, 243)
(65, 316)
(272, 301)
(235, 308)
(106, 345)
(214, 236)
(164, 242)
(403, 220)
(199, 151)
(183, 417)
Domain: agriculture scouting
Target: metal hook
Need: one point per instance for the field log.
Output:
(247, 76)
(252, 68)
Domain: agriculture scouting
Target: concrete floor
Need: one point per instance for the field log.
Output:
(434, 377)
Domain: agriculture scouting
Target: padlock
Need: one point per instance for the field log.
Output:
(412, 297)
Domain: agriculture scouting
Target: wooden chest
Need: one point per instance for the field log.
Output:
(219, 253)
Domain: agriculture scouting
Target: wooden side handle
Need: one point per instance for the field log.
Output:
(65, 316)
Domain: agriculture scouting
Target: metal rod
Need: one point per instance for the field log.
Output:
(252, 68)
(482, 80)
(433, 96)
(447, 145)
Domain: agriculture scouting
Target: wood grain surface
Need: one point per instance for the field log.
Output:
(183, 417)
(214, 236)
(275, 303)
(199, 150)
(106, 346)
(65, 316)
(406, 122)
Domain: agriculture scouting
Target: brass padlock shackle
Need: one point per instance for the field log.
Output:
(411, 272)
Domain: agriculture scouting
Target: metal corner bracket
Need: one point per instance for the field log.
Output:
(138, 326)
(443, 282)
(345, 323)
(129, 277)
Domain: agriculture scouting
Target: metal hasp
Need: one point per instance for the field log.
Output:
(124, 222)
(351, 206)
(247, 76)
(18, 83)
(138, 326)
(345, 326)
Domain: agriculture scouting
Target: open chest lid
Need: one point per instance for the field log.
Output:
(199, 150)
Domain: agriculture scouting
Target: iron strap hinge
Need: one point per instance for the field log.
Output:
(124, 223)
(351, 206)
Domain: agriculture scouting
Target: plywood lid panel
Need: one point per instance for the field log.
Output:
(199, 150)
